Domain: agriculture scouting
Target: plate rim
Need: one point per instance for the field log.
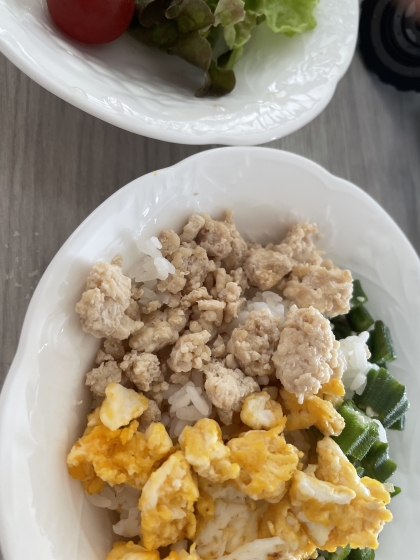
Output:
(10, 48)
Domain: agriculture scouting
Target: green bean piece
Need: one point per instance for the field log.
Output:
(360, 319)
(399, 424)
(340, 553)
(385, 395)
(361, 554)
(397, 490)
(360, 432)
(380, 344)
(377, 463)
(359, 297)
(341, 328)
(360, 471)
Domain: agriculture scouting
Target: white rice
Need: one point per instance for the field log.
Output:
(389, 487)
(278, 307)
(198, 401)
(178, 402)
(269, 300)
(129, 523)
(370, 412)
(188, 403)
(353, 351)
(124, 497)
(150, 295)
(382, 431)
(178, 426)
(165, 419)
(172, 389)
(106, 499)
(197, 378)
(151, 264)
(299, 441)
(179, 546)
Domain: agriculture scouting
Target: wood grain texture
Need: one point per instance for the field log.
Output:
(57, 164)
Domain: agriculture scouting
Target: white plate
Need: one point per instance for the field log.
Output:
(43, 512)
(282, 84)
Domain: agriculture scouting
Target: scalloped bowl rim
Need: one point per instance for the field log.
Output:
(20, 371)
(11, 49)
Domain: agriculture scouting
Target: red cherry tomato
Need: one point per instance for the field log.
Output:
(92, 21)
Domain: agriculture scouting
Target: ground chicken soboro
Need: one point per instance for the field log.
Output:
(103, 304)
(253, 344)
(328, 290)
(201, 374)
(307, 352)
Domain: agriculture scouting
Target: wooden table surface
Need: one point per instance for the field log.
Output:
(57, 164)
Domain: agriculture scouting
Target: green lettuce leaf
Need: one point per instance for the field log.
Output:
(211, 34)
(285, 16)
(160, 36)
(228, 60)
(190, 15)
(218, 81)
(194, 48)
(238, 34)
(151, 12)
(212, 4)
(229, 12)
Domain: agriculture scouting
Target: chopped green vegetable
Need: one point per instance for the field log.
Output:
(359, 319)
(385, 395)
(341, 327)
(361, 554)
(340, 553)
(399, 424)
(360, 471)
(359, 297)
(380, 344)
(397, 490)
(360, 432)
(377, 463)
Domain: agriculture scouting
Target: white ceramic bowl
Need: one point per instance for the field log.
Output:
(43, 512)
(282, 84)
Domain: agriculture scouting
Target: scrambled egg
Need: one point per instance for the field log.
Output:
(117, 456)
(256, 497)
(333, 391)
(279, 520)
(205, 451)
(260, 411)
(130, 551)
(336, 506)
(313, 411)
(167, 504)
(267, 462)
(183, 555)
(226, 520)
(261, 549)
(121, 405)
